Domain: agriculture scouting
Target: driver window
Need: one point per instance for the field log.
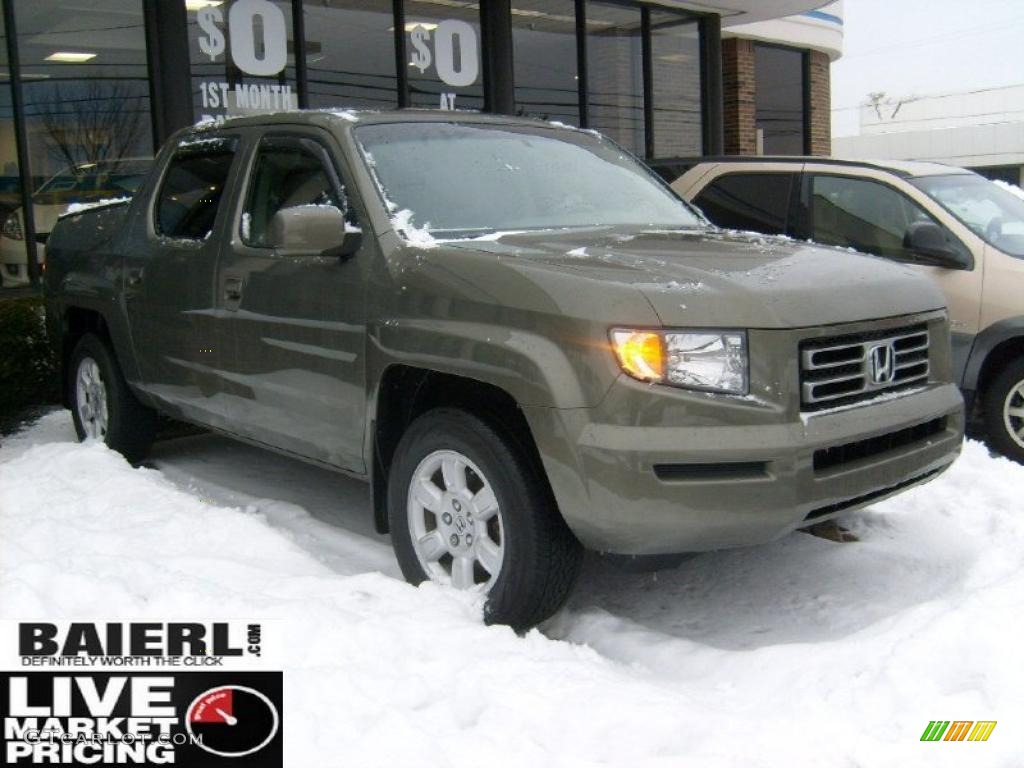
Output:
(862, 214)
(288, 172)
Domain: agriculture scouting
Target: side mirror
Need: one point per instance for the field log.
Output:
(931, 245)
(312, 230)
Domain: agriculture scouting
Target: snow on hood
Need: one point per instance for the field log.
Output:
(729, 279)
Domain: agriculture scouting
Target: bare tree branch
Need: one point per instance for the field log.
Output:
(92, 122)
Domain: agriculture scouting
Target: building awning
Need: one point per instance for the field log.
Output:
(747, 11)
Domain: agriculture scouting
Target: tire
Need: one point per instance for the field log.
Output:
(102, 405)
(1004, 411)
(538, 556)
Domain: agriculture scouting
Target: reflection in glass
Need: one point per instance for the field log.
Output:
(676, 87)
(779, 75)
(615, 73)
(87, 111)
(13, 255)
(544, 56)
(350, 54)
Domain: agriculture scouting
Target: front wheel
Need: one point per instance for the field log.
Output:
(1004, 411)
(102, 405)
(467, 509)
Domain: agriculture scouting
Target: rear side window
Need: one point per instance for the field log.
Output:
(749, 201)
(190, 195)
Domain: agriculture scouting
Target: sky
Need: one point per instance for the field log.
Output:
(924, 47)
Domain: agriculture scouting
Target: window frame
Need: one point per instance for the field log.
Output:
(237, 148)
(326, 160)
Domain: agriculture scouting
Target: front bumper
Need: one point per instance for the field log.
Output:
(656, 470)
(665, 490)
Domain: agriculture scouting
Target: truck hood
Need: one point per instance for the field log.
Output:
(713, 278)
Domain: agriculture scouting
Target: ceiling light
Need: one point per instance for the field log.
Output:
(70, 57)
(430, 26)
(195, 5)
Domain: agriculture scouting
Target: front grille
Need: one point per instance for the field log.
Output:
(847, 369)
(859, 501)
(837, 455)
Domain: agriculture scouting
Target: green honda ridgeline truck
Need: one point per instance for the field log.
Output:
(522, 338)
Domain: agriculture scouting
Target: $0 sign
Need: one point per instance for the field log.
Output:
(244, 32)
(448, 33)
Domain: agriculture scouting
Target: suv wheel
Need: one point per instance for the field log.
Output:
(1004, 411)
(102, 406)
(467, 509)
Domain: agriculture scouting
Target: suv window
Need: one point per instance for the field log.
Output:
(187, 204)
(290, 171)
(752, 201)
(863, 214)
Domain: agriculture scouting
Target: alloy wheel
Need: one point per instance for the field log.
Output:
(455, 522)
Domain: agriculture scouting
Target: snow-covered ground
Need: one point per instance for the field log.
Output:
(800, 653)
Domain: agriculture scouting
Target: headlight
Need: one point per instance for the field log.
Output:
(12, 226)
(710, 361)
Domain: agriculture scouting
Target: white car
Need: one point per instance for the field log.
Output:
(83, 183)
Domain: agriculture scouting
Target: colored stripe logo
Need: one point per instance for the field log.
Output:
(958, 730)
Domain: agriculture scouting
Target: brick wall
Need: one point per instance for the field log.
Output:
(820, 106)
(738, 96)
(739, 85)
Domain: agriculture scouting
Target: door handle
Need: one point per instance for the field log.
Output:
(233, 289)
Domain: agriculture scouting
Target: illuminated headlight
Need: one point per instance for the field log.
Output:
(710, 361)
(12, 226)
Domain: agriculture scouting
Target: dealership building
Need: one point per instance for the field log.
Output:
(980, 129)
(96, 85)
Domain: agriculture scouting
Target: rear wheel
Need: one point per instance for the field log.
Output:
(102, 405)
(1004, 411)
(467, 509)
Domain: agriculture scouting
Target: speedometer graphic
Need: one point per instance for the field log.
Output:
(232, 720)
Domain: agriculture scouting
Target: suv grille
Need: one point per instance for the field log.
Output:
(848, 369)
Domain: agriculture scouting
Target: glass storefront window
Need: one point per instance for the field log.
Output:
(676, 87)
(242, 57)
(544, 56)
(350, 54)
(87, 112)
(779, 86)
(445, 61)
(615, 73)
(13, 253)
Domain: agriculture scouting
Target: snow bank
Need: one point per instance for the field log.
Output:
(803, 652)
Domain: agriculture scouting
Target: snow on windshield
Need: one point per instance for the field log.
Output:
(472, 179)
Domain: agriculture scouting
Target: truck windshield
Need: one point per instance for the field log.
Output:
(461, 180)
(991, 211)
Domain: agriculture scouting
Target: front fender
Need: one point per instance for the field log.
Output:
(536, 332)
(985, 342)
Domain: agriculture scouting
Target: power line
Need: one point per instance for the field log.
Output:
(950, 94)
